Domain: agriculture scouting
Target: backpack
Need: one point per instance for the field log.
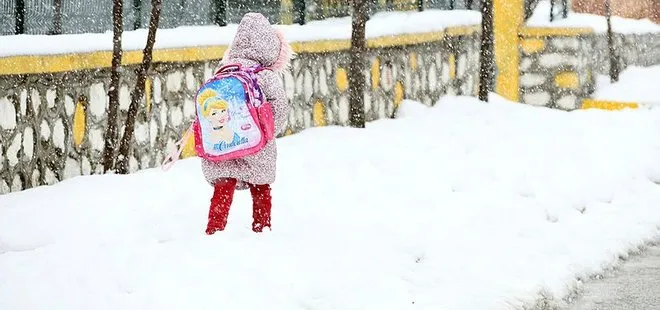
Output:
(232, 117)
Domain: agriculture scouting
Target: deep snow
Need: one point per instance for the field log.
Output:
(461, 206)
(636, 84)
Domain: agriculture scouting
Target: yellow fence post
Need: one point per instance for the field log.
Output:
(508, 18)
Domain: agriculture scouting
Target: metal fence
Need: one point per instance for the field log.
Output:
(84, 16)
(93, 16)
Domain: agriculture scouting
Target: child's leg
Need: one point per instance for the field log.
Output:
(261, 205)
(223, 196)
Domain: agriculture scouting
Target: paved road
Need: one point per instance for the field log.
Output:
(635, 287)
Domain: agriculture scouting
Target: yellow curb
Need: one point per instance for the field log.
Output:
(608, 105)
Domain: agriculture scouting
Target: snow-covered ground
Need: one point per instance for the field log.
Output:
(541, 18)
(636, 84)
(461, 206)
(381, 24)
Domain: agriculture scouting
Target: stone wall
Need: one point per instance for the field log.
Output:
(641, 50)
(558, 66)
(318, 84)
(52, 124)
(555, 69)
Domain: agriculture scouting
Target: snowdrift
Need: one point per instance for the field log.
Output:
(464, 205)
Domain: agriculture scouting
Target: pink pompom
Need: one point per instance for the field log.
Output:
(283, 61)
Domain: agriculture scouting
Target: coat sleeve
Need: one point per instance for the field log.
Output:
(273, 89)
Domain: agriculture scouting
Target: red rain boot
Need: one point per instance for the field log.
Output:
(223, 196)
(261, 205)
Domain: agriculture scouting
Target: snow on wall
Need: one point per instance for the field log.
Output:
(317, 86)
(381, 24)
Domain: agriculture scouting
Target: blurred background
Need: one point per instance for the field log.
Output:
(85, 16)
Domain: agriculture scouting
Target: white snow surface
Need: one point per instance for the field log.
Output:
(636, 84)
(465, 205)
(541, 18)
(381, 24)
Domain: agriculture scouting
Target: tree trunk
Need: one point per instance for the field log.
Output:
(138, 91)
(552, 10)
(220, 12)
(299, 12)
(19, 17)
(137, 11)
(113, 93)
(614, 63)
(57, 19)
(486, 54)
(356, 78)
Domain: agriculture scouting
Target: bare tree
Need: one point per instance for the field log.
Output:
(57, 19)
(389, 5)
(19, 17)
(614, 63)
(552, 10)
(220, 12)
(137, 11)
(299, 9)
(356, 78)
(113, 93)
(138, 91)
(486, 54)
(530, 6)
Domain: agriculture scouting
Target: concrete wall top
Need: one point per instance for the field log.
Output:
(35, 64)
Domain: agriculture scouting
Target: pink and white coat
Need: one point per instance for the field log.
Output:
(257, 42)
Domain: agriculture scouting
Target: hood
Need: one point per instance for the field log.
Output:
(257, 40)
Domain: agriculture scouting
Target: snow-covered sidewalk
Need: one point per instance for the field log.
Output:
(635, 285)
(462, 206)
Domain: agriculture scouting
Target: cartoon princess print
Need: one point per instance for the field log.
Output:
(216, 112)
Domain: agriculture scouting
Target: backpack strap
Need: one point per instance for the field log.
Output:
(259, 68)
(238, 67)
(229, 67)
(255, 70)
(175, 154)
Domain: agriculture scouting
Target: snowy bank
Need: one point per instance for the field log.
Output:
(380, 25)
(541, 18)
(635, 84)
(462, 206)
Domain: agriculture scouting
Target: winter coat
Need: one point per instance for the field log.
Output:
(257, 42)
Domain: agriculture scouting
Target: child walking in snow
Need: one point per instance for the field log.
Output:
(256, 43)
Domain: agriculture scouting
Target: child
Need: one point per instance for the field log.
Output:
(256, 42)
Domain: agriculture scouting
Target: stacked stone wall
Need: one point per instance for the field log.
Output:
(52, 124)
